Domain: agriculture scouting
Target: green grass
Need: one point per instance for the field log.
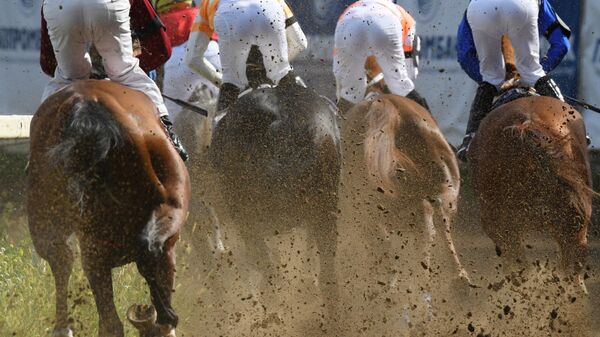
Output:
(27, 294)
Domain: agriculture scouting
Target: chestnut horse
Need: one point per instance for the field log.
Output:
(530, 169)
(400, 177)
(102, 167)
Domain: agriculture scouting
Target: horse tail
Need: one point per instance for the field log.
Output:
(550, 151)
(90, 133)
(384, 159)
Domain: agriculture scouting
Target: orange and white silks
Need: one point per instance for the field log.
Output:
(374, 28)
(240, 24)
(408, 22)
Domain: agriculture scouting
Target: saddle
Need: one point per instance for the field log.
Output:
(512, 94)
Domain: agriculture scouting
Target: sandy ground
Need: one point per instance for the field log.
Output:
(220, 296)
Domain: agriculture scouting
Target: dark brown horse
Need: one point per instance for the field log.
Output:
(277, 160)
(103, 168)
(400, 183)
(530, 168)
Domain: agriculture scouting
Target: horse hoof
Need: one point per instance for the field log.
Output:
(142, 317)
(66, 332)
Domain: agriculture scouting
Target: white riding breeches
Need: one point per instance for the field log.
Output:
(180, 81)
(489, 20)
(367, 33)
(241, 25)
(75, 25)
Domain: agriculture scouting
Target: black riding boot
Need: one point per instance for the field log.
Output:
(344, 105)
(546, 86)
(228, 93)
(482, 104)
(415, 96)
(174, 139)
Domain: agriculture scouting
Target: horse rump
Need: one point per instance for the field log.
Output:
(531, 172)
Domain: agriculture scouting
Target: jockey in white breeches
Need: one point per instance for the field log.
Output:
(74, 25)
(480, 52)
(374, 28)
(240, 24)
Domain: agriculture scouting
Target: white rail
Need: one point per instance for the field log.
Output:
(14, 126)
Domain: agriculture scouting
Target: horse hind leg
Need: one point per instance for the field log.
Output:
(53, 247)
(159, 273)
(100, 278)
(573, 246)
(442, 221)
(324, 235)
(507, 240)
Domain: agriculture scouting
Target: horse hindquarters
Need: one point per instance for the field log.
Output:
(534, 163)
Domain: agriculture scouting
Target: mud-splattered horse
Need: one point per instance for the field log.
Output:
(277, 159)
(102, 168)
(531, 172)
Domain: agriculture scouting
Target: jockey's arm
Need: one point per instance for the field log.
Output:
(556, 32)
(466, 51)
(296, 39)
(194, 55)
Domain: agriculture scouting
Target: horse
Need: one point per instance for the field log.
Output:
(530, 168)
(276, 157)
(400, 178)
(531, 171)
(103, 168)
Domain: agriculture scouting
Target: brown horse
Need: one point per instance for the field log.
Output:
(530, 169)
(102, 167)
(400, 177)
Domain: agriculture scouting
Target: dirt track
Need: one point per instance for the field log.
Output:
(219, 298)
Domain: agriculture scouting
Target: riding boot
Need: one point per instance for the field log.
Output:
(344, 105)
(174, 139)
(546, 86)
(482, 104)
(415, 96)
(228, 93)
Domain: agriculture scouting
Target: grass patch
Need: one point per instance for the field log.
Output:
(27, 294)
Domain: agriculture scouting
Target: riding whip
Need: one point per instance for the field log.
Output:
(581, 103)
(187, 105)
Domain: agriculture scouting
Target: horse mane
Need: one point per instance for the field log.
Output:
(89, 134)
(383, 158)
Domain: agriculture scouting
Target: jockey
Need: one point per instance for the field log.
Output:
(480, 54)
(268, 24)
(179, 80)
(381, 29)
(73, 25)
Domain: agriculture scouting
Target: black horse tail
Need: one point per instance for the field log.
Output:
(90, 133)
